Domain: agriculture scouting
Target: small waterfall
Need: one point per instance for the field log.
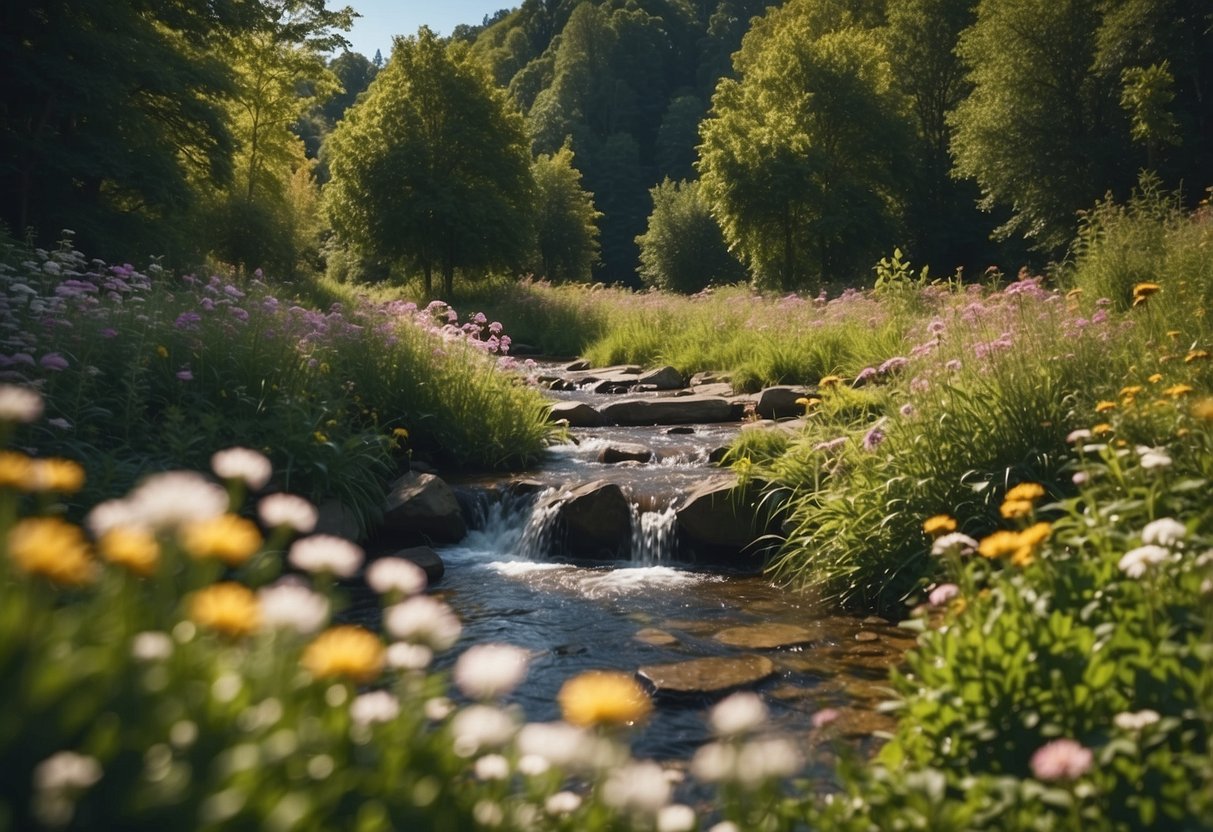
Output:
(535, 539)
(654, 536)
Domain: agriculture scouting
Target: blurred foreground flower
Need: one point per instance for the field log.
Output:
(248, 466)
(19, 404)
(603, 698)
(52, 548)
(228, 608)
(1063, 759)
(488, 671)
(347, 652)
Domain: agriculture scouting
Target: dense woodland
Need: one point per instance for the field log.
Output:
(666, 142)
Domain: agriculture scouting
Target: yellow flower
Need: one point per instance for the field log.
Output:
(1177, 390)
(1035, 534)
(162, 351)
(228, 608)
(1196, 355)
(320, 437)
(226, 538)
(1203, 409)
(346, 651)
(16, 470)
(1173, 333)
(62, 476)
(400, 433)
(1131, 390)
(939, 524)
(958, 605)
(1074, 293)
(998, 544)
(1023, 557)
(1012, 509)
(1030, 491)
(600, 697)
(1104, 406)
(1101, 429)
(1154, 379)
(131, 547)
(829, 381)
(53, 548)
(1143, 290)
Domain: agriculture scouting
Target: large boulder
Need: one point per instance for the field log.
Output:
(780, 402)
(625, 452)
(593, 522)
(577, 414)
(673, 410)
(718, 520)
(662, 378)
(423, 508)
(336, 518)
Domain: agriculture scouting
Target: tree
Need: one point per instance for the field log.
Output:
(683, 249)
(566, 229)
(430, 168)
(802, 155)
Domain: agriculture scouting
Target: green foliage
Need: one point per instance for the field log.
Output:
(430, 169)
(683, 249)
(566, 230)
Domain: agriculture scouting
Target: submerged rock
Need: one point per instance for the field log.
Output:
(578, 366)
(577, 414)
(716, 674)
(421, 507)
(673, 410)
(625, 452)
(655, 637)
(765, 636)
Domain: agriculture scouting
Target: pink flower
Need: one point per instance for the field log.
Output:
(1063, 759)
(824, 717)
(185, 375)
(942, 594)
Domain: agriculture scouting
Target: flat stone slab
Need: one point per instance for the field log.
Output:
(765, 636)
(674, 410)
(655, 637)
(715, 674)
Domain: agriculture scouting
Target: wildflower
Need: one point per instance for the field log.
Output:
(376, 706)
(228, 608)
(404, 656)
(808, 403)
(563, 745)
(954, 543)
(479, 727)
(1012, 509)
(1196, 355)
(1105, 406)
(768, 759)
(395, 575)
(1129, 721)
(942, 594)
(400, 433)
(1177, 390)
(326, 553)
(53, 361)
(1142, 291)
(603, 698)
(487, 671)
(423, 620)
(491, 767)
(676, 818)
(227, 538)
(1136, 562)
(1153, 458)
(824, 717)
(16, 470)
(906, 410)
(725, 826)
(173, 498)
(1164, 531)
(152, 646)
(893, 364)
(1128, 392)
(998, 544)
(19, 404)
(829, 381)
(1076, 436)
(1203, 410)
(162, 351)
(184, 374)
(287, 511)
(62, 476)
(289, 604)
(253, 468)
(938, 525)
(1026, 491)
(1155, 378)
(953, 366)
(562, 803)
(52, 548)
(533, 765)
(131, 547)
(66, 771)
(1101, 429)
(1062, 759)
(638, 787)
(873, 438)
(347, 652)
(740, 713)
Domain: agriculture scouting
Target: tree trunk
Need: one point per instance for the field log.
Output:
(448, 281)
(429, 280)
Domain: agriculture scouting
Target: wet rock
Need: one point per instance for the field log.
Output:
(577, 366)
(718, 389)
(426, 558)
(663, 378)
(717, 515)
(422, 507)
(593, 522)
(562, 385)
(654, 637)
(717, 455)
(717, 674)
(336, 518)
(673, 410)
(866, 635)
(524, 488)
(778, 402)
(681, 430)
(876, 620)
(765, 636)
(613, 385)
(625, 452)
(700, 379)
(578, 414)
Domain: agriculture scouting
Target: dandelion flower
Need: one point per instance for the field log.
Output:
(253, 468)
(1101, 429)
(1105, 406)
(19, 404)
(395, 575)
(228, 608)
(603, 698)
(1196, 355)
(423, 620)
(1062, 759)
(16, 471)
(1177, 390)
(1203, 410)
(326, 553)
(1012, 509)
(1136, 562)
(829, 381)
(488, 671)
(938, 525)
(404, 656)
(999, 544)
(1155, 378)
(345, 652)
(738, 714)
(1026, 491)
(289, 604)
(1165, 531)
(52, 548)
(1142, 291)
(287, 511)
(1127, 392)
(131, 547)
(60, 476)
(227, 538)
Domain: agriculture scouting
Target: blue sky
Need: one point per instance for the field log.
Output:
(381, 19)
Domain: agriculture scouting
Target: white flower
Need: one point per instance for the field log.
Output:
(1129, 721)
(376, 706)
(152, 646)
(768, 759)
(1136, 561)
(487, 671)
(326, 553)
(1165, 532)
(480, 726)
(957, 543)
(1080, 435)
(533, 765)
(492, 767)
(289, 511)
(740, 713)
(423, 620)
(19, 404)
(1152, 458)
(290, 605)
(562, 803)
(387, 575)
(107, 515)
(404, 656)
(675, 818)
(66, 771)
(725, 826)
(243, 464)
(714, 762)
(638, 787)
(438, 708)
(171, 499)
(561, 744)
